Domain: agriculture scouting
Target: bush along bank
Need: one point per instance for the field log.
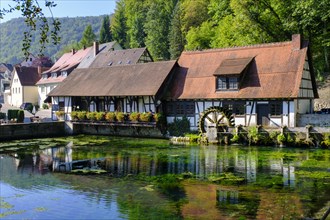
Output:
(259, 136)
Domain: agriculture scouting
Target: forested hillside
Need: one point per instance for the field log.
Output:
(167, 27)
(11, 36)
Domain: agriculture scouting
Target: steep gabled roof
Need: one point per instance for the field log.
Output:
(102, 48)
(28, 76)
(69, 60)
(118, 57)
(125, 80)
(274, 72)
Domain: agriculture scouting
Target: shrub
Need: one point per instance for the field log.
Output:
(158, 116)
(20, 116)
(254, 136)
(134, 116)
(193, 138)
(179, 126)
(326, 140)
(120, 116)
(91, 116)
(281, 138)
(235, 139)
(82, 115)
(74, 115)
(12, 113)
(45, 106)
(2, 115)
(146, 116)
(100, 116)
(110, 116)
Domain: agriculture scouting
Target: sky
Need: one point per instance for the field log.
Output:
(68, 8)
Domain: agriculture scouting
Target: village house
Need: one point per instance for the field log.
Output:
(66, 64)
(23, 85)
(5, 78)
(266, 84)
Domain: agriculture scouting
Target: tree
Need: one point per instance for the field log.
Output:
(136, 15)
(36, 21)
(88, 37)
(176, 38)
(157, 28)
(105, 33)
(118, 24)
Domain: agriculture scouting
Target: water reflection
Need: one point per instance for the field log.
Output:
(258, 167)
(199, 161)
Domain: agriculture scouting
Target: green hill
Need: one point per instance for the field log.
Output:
(11, 36)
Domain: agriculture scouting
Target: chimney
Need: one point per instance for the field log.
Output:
(39, 70)
(96, 48)
(73, 51)
(296, 42)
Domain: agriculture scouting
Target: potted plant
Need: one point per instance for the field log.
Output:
(120, 116)
(100, 116)
(60, 115)
(74, 115)
(134, 116)
(82, 115)
(110, 116)
(91, 116)
(146, 116)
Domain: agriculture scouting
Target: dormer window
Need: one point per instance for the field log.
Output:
(227, 82)
(54, 75)
(230, 72)
(44, 76)
(64, 73)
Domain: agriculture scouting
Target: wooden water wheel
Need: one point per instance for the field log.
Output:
(216, 117)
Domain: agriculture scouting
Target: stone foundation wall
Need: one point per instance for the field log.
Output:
(31, 130)
(316, 120)
(127, 130)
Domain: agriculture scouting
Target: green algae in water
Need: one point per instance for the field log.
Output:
(5, 214)
(40, 209)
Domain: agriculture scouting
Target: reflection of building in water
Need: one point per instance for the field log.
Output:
(278, 167)
(246, 164)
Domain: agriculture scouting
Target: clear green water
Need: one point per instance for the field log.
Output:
(96, 177)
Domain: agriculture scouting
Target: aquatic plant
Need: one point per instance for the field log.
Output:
(254, 136)
(281, 139)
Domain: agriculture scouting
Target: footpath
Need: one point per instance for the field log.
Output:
(43, 114)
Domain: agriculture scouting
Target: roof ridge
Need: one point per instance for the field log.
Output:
(273, 44)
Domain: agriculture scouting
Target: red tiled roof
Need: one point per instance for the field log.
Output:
(275, 72)
(67, 62)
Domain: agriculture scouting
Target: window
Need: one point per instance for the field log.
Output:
(180, 108)
(64, 74)
(44, 76)
(61, 106)
(236, 107)
(42, 89)
(54, 75)
(276, 108)
(227, 83)
(233, 83)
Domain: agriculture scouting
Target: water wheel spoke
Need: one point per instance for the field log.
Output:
(218, 121)
(209, 119)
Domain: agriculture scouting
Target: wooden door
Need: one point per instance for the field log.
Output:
(262, 114)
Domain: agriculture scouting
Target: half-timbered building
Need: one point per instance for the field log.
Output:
(126, 88)
(267, 84)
